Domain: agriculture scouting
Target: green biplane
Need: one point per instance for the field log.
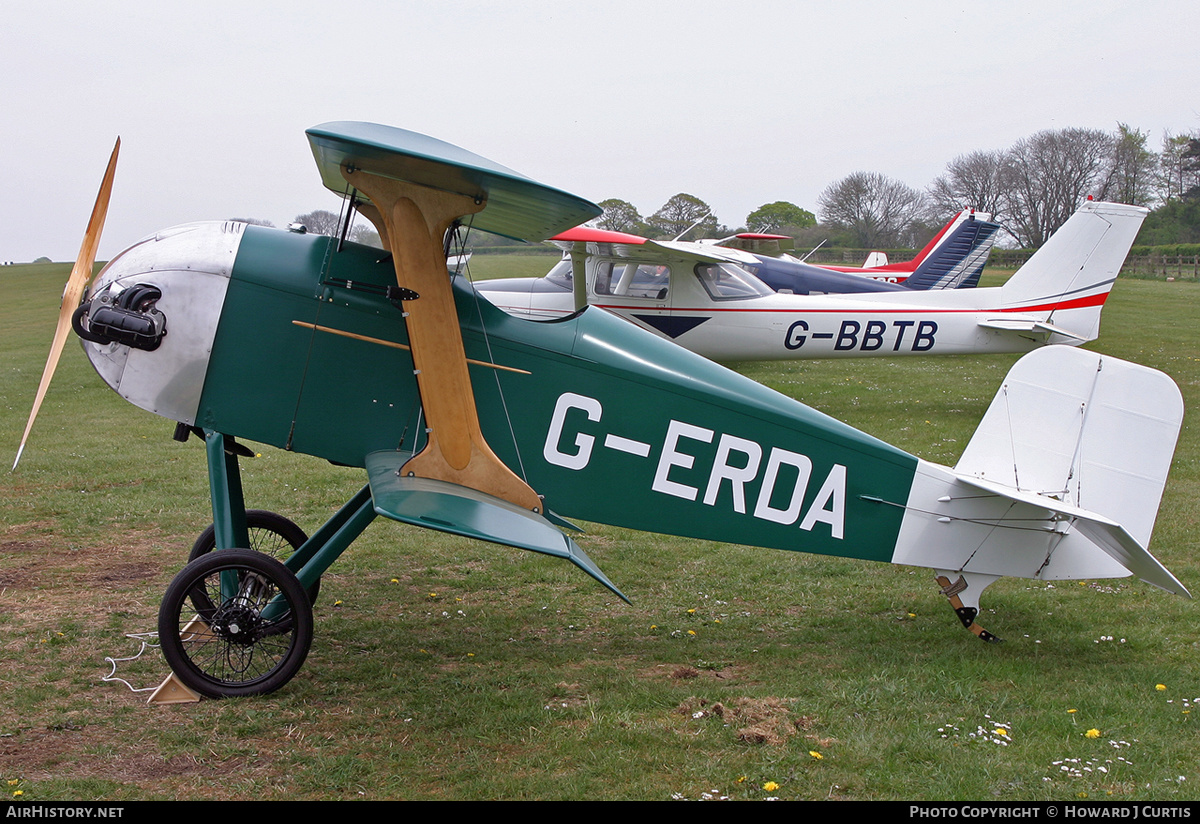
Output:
(470, 421)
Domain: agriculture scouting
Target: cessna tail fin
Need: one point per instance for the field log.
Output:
(1068, 279)
(1075, 445)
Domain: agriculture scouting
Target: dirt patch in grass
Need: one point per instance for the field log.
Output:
(28, 562)
(768, 721)
(567, 695)
(50, 753)
(674, 672)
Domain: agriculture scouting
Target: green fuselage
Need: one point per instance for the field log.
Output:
(607, 422)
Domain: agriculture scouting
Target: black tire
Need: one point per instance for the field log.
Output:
(270, 533)
(240, 652)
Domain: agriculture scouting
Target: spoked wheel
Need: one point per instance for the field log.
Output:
(235, 623)
(270, 533)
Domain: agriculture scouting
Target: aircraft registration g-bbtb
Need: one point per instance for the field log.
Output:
(470, 421)
(713, 300)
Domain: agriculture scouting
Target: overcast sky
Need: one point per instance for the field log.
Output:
(635, 100)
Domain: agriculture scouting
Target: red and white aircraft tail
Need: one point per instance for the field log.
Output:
(1068, 279)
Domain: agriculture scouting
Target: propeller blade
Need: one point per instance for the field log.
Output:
(73, 292)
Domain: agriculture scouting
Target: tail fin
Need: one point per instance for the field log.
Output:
(1075, 446)
(1068, 279)
(955, 258)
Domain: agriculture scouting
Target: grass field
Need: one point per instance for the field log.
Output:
(449, 669)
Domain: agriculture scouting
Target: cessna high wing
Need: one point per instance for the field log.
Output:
(707, 300)
(470, 421)
(953, 259)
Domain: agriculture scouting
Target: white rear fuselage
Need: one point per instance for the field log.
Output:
(1055, 298)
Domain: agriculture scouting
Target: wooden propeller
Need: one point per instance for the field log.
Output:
(73, 292)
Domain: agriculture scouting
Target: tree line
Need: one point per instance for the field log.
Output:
(1031, 188)
(324, 222)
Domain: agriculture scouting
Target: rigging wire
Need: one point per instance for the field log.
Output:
(458, 242)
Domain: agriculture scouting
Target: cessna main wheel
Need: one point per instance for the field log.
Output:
(270, 533)
(235, 623)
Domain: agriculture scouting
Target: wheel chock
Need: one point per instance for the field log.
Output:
(173, 691)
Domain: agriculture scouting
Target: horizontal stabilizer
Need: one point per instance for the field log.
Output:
(1103, 532)
(1075, 447)
(1030, 327)
(459, 510)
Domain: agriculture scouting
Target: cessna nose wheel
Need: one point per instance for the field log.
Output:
(235, 623)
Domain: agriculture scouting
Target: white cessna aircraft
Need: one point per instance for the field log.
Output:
(706, 299)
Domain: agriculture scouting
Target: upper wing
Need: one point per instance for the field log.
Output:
(517, 207)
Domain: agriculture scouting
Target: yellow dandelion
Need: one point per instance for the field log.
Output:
(741, 779)
(770, 786)
(337, 603)
(395, 580)
(433, 595)
(692, 611)
(816, 755)
(18, 793)
(1000, 731)
(691, 632)
(654, 626)
(1072, 710)
(1092, 733)
(13, 781)
(1160, 687)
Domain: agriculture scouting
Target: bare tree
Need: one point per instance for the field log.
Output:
(320, 222)
(1178, 166)
(876, 210)
(1131, 171)
(1047, 177)
(971, 181)
(684, 216)
(366, 235)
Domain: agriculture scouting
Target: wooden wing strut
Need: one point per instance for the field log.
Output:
(414, 220)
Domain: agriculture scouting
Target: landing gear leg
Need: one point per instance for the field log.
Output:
(963, 592)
